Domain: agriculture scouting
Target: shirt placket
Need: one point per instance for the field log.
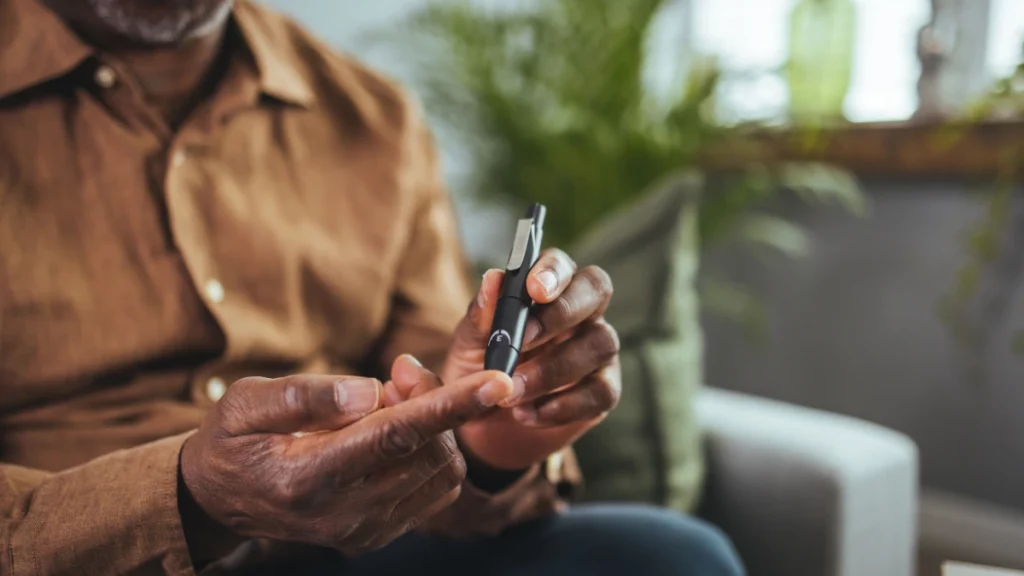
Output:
(181, 183)
(122, 97)
(189, 184)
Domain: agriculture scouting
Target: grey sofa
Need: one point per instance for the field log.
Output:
(807, 493)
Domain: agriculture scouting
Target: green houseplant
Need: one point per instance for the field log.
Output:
(968, 311)
(551, 100)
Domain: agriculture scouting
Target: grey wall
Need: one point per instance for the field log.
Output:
(854, 330)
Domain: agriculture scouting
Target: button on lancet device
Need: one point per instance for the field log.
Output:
(513, 307)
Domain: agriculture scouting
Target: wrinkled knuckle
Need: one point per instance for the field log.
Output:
(606, 396)
(564, 309)
(449, 443)
(284, 491)
(245, 387)
(446, 480)
(441, 454)
(600, 281)
(397, 438)
(240, 397)
(605, 341)
(231, 413)
(456, 472)
(614, 334)
(454, 413)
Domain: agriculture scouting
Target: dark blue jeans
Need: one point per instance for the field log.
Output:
(601, 540)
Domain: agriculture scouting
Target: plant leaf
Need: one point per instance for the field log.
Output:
(735, 303)
(773, 232)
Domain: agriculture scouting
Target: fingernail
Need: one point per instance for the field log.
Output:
(532, 331)
(413, 360)
(518, 390)
(548, 280)
(525, 414)
(494, 392)
(481, 301)
(358, 395)
(481, 297)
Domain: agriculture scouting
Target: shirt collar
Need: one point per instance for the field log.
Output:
(278, 63)
(36, 46)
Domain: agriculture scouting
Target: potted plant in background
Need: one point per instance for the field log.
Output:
(985, 285)
(550, 100)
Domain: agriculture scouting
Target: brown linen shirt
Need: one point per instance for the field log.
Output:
(294, 223)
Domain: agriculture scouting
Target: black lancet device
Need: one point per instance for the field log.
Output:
(513, 307)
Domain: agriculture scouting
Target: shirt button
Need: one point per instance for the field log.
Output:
(178, 159)
(214, 291)
(105, 76)
(215, 388)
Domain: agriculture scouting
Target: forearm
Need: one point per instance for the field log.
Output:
(117, 514)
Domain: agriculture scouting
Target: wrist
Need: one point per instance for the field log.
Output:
(487, 477)
(207, 539)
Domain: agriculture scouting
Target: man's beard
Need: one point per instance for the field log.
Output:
(158, 22)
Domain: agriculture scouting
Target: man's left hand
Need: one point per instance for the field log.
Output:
(568, 377)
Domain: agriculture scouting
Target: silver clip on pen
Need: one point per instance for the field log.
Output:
(513, 307)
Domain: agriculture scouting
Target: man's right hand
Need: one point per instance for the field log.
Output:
(363, 477)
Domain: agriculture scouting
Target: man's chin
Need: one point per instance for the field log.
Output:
(157, 22)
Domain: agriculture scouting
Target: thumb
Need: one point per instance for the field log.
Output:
(472, 332)
(304, 403)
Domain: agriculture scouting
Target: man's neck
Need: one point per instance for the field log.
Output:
(176, 78)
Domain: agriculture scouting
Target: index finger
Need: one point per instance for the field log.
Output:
(400, 430)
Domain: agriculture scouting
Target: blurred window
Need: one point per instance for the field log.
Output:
(1005, 37)
(750, 37)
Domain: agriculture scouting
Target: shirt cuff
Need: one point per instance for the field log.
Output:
(119, 511)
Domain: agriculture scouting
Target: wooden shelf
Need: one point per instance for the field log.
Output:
(897, 150)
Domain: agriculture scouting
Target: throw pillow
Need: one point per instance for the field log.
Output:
(649, 449)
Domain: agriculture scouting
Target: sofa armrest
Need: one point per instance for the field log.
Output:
(803, 492)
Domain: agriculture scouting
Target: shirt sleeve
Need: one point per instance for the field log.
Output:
(432, 289)
(117, 514)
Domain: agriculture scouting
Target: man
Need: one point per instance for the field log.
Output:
(215, 235)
